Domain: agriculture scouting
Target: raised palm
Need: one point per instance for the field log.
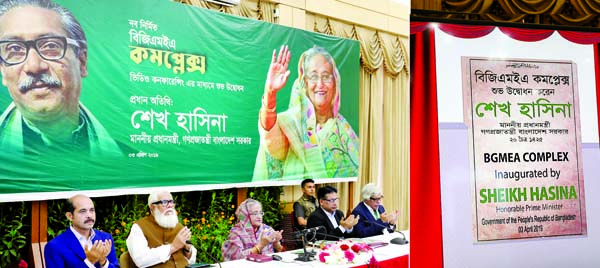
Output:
(278, 70)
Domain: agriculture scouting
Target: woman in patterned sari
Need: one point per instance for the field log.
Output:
(311, 138)
(249, 235)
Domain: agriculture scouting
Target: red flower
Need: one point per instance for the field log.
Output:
(322, 256)
(349, 256)
(355, 248)
(344, 247)
(373, 263)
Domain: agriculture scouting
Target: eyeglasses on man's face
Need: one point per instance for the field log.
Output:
(377, 199)
(165, 202)
(324, 78)
(332, 200)
(49, 48)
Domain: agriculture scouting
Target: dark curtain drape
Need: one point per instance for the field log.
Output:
(425, 207)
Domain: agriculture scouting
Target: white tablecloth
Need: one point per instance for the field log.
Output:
(382, 253)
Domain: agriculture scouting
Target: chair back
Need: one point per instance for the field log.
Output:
(288, 231)
(37, 250)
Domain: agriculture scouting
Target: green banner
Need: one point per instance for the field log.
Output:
(163, 94)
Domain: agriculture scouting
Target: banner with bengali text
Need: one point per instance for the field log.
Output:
(525, 148)
(176, 91)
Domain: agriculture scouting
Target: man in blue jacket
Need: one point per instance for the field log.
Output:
(373, 218)
(81, 245)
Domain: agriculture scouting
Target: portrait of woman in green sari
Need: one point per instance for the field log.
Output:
(311, 138)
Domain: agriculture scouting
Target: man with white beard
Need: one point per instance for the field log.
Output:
(159, 240)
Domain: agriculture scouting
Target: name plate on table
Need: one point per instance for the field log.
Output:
(378, 244)
(258, 258)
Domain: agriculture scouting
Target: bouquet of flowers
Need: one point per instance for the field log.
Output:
(347, 252)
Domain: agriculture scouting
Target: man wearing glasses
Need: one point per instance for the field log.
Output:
(159, 240)
(330, 217)
(43, 58)
(374, 219)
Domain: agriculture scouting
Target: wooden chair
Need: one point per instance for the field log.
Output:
(37, 250)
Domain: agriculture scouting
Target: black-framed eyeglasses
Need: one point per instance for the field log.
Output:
(49, 48)
(331, 200)
(376, 199)
(256, 213)
(165, 202)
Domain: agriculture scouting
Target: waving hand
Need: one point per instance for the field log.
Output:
(278, 70)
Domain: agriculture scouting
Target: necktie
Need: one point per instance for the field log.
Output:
(376, 213)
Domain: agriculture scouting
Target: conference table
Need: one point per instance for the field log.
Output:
(391, 255)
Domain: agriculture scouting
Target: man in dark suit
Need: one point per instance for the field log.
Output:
(330, 217)
(81, 245)
(374, 219)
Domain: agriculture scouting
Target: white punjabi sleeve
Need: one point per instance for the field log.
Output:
(141, 254)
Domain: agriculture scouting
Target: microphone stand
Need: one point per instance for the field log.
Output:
(205, 253)
(306, 257)
(332, 236)
(404, 241)
(388, 228)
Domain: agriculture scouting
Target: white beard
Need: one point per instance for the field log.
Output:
(165, 221)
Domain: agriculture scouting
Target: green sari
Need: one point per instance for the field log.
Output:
(317, 151)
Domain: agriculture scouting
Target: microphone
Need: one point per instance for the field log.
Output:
(307, 242)
(376, 223)
(306, 257)
(398, 240)
(205, 253)
(301, 233)
(283, 240)
(328, 235)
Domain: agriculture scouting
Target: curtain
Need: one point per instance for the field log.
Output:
(466, 31)
(396, 130)
(572, 12)
(396, 190)
(384, 113)
(254, 9)
(526, 35)
(425, 212)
